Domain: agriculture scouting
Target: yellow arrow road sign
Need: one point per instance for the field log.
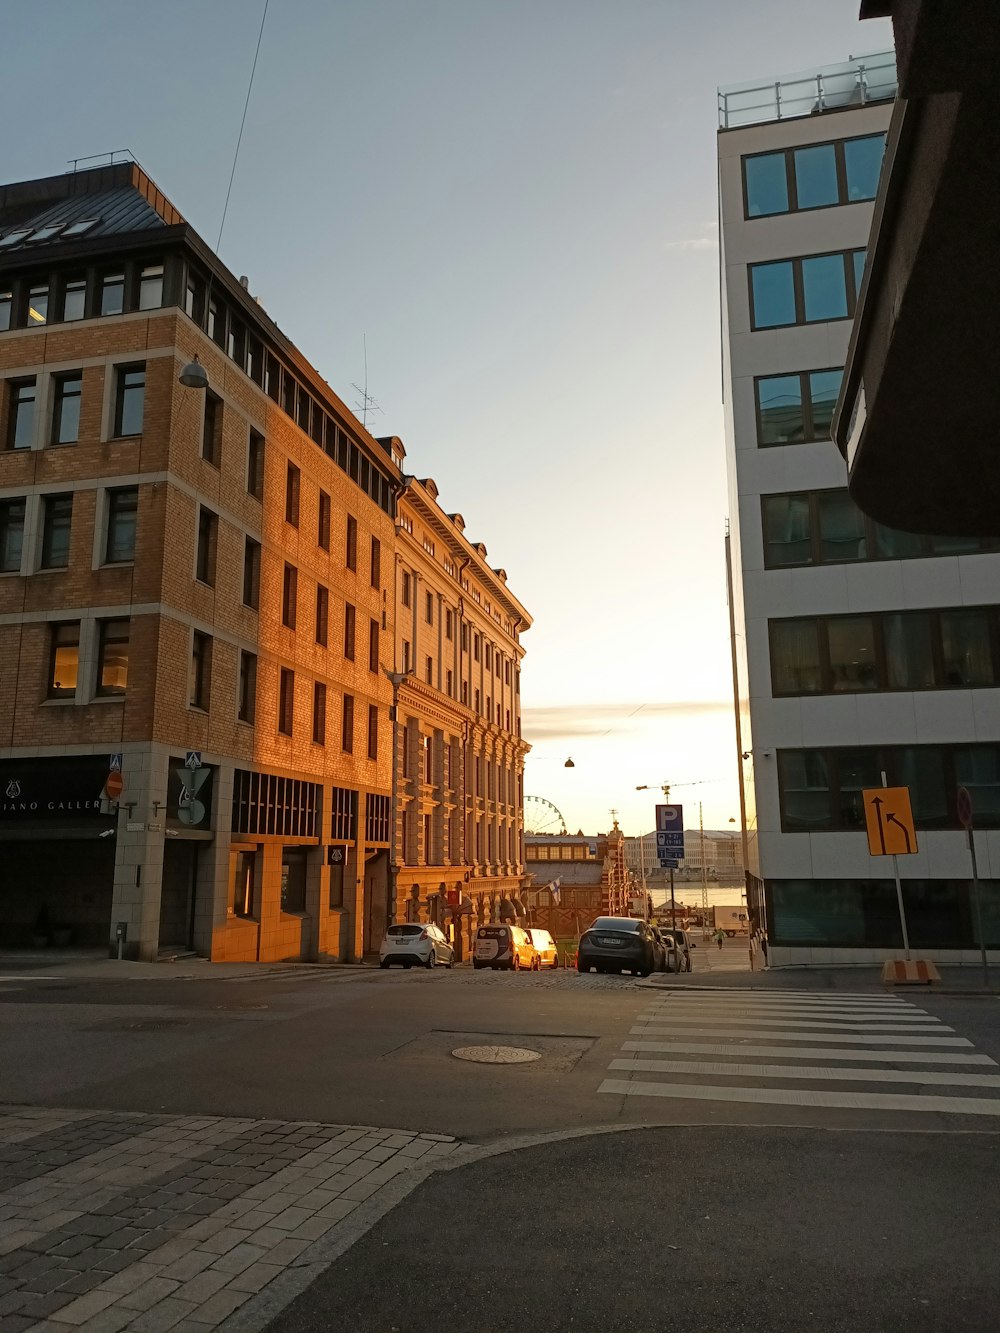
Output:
(889, 821)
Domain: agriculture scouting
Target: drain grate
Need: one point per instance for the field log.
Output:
(496, 1055)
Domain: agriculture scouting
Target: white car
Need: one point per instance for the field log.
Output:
(408, 944)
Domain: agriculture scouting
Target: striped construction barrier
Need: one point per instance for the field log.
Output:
(912, 972)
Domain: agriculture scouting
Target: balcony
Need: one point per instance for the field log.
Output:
(856, 82)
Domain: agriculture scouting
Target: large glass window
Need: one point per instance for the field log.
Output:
(858, 257)
(855, 770)
(921, 768)
(805, 790)
(787, 539)
(112, 657)
(816, 176)
(112, 293)
(67, 390)
(977, 768)
(64, 661)
(824, 288)
(766, 177)
(892, 544)
(57, 518)
(11, 535)
(795, 657)
(123, 506)
(6, 308)
(38, 305)
(796, 408)
(773, 294)
(863, 164)
(909, 652)
(151, 287)
(967, 648)
(130, 398)
(841, 524)
(21, 414)
(853, 664)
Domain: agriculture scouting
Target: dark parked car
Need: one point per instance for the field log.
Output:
(617, 944)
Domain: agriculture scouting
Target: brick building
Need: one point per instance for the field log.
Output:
(590, 876)
(196, 593)
(460, 755)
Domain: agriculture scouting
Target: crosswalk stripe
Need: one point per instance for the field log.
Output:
(817, 1072)
(788, 1006)
(854, 1015)
(875, 1101)
(685, 1018)
(808, 1052)
(864, 1039)
(833, 997)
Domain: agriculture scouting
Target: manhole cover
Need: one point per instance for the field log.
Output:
(496, 1055)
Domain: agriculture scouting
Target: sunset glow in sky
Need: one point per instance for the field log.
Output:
(514, 202)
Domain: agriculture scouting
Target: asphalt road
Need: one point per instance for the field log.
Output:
(721, 1229)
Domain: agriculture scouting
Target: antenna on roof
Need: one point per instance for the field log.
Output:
(366, 402)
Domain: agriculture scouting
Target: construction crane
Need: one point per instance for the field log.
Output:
(666, 786)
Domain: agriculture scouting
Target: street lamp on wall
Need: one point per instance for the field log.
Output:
(396, 679)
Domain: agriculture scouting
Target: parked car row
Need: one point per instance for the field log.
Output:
(626, 944)
(412, 945)
(514, 947)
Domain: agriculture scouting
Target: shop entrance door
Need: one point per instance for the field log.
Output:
(177, 894)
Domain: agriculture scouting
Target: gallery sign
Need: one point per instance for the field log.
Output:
(70, 787)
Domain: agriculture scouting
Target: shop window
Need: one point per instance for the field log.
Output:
(245, 894)
(293, 882)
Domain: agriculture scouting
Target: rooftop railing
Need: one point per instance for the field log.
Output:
(856, 82)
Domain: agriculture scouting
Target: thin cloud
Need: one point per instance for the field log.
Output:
(566, 721)
(693, 243)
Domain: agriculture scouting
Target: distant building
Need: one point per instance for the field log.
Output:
(591, 875)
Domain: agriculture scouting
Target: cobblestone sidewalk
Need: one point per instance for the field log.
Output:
(115, 1221)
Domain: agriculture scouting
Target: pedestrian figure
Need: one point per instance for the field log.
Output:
(719, 936)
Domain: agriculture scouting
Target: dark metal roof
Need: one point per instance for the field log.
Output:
(122, 198)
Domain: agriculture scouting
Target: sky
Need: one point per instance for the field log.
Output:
(512, 205)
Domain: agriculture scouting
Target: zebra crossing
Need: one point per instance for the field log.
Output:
(801, 1048)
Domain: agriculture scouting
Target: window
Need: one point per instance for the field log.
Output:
(821, 789)
(64, 660)
(255, 465)
(449, 684)
(123, 507)
(319, 713)
(208, 528)
(351, 551)
(151, 287)
(66, 408)
(373, 645)
(292, 480)
(429, 670)
(322, 615)
(11, 535)
(323, 534)
(852, 653)
(967, 647)
(909, 655)
(247, 707)
(405, 654)
(489, 657)
(795, 657)
(405, 589)
(449, 624)
(246, 880)
(21, 414)
(6, 308)
(211, 432)
(112, 293)
(130, 393)
(477, 645)
(74, 299)
(38, 305)
(465, 638)
(112, 657)
(200, 670)
(347, 725)
(286, 701)
(792, 409)
(429, 609)
(814, 176)
(251, 573)
(376, 563)
(810, 290)
(373, 731)
(350, 619)
(293, 881)
(289, 596)
(57, 517)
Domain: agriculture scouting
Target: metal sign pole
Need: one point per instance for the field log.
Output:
(899, 895)
(673, 917)
(979, 908)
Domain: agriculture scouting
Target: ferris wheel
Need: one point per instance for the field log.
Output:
(541, 816)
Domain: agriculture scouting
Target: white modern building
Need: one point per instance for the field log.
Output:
(858, 649)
